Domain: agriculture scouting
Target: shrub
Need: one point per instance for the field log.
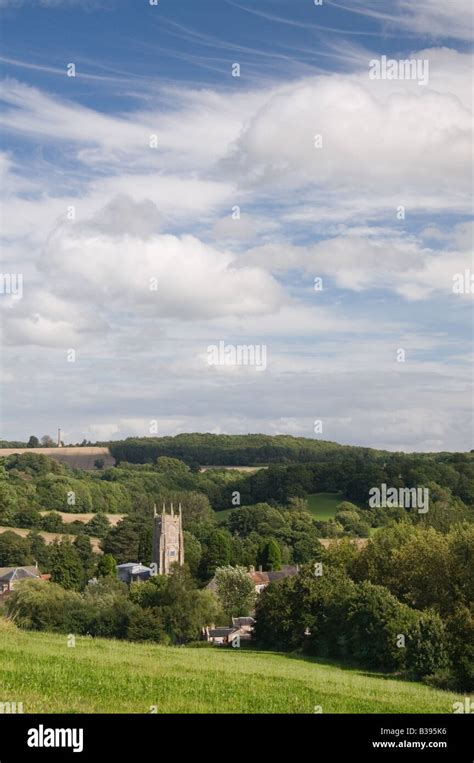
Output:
(426, 652)
(39, 605)
(460, 642)
(375, 623)
(146, 625)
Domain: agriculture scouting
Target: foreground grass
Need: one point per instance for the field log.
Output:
(108, 676)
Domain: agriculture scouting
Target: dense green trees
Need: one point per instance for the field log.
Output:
(235, 591)
(52, 522)
(315, 465)
(106, 566)
(404, 603)
(331, 616)
(217, 553)
(192, 552)
(270, 555)
(14, 550)
(87, 557)
(219, 449)
(70, 564)
(169, 610)
(377, 627)
(32, 482)
(66, 566)
(99, 526)
(38, 605)
(428, 650)
(421, 566)
(122, 541)
(181, 609)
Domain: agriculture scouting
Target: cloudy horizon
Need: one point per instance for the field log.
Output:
(188, 174)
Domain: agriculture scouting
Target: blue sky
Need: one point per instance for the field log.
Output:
(380, 211)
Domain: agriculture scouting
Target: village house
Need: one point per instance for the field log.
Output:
(262, 579)
(221, 636)
(133, 572)
(241, 629)
(246, 624)
(11, 576)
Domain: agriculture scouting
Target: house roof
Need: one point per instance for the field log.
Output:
(18, 573)
(135, 568)
(221, 632)
(285, 572)
(264, 578)
(238, 622)
(260, 578)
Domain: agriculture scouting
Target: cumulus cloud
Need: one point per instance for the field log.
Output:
(165, 275)
(346, 130)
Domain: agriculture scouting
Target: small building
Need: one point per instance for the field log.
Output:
(245, 623)
(259, 579)
(133, 572)
(245, 626)
(262, 579)
(220, 636)
(11, 576)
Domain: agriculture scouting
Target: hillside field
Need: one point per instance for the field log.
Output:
(107, 676)
(51, 537)
(323, 505)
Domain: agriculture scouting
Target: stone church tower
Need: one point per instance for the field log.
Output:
(168, 544)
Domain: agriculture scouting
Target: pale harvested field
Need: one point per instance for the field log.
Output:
(234, 468)
(359, 542)
(77, 458)
(50, 537)
(67, 517)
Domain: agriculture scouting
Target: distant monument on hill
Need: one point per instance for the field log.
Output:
(168, 542)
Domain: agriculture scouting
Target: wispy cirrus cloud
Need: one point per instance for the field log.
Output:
(427, 18)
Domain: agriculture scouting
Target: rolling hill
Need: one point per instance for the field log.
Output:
(108, 676)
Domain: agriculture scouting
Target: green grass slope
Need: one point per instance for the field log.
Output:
(99, 675)
(323, 505)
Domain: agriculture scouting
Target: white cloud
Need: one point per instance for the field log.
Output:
(362, 259)
(162, 274)
(377, 136)
(427, 18)
(166, 214)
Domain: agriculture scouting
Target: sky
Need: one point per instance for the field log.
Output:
(199, 174)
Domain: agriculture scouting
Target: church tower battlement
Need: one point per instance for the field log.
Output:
(168, 543)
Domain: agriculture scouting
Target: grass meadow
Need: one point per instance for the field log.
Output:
(108, 676)
(323, 505)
